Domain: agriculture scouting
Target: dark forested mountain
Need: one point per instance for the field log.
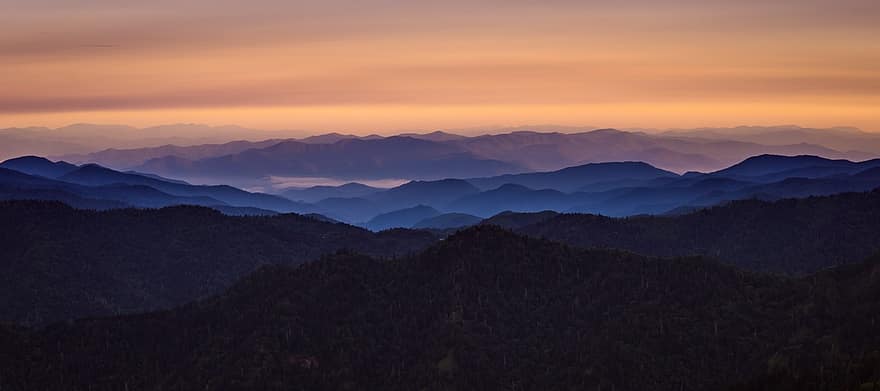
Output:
(448, 220)
(484, 309)
(788, 236)
(514, 220)
(61, 263)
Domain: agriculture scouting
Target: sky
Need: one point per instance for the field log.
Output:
(375, 66)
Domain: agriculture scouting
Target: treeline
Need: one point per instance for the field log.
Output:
(483, 309)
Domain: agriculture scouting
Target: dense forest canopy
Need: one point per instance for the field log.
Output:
(484, 309)
(791, 236)
(60, 263)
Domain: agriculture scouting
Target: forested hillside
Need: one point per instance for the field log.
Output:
(484, 309)
(792, 236)
(60, 263)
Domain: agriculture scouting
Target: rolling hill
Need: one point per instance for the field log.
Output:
(66, 182)
(484, 309)
(61, 263)
(792, 236)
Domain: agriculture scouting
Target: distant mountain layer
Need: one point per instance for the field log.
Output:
(619, 189)
(60, 263)
(128, 158)
(83, 139)
(839, 138)
(612, 189)
(484, 309)
(393, 157)
(444, 155)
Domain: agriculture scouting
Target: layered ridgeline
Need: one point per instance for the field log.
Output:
(94, 187)
(60, 263)
(612, 189)
(484, 309)
(440, 155)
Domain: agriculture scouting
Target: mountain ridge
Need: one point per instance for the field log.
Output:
(482, 309)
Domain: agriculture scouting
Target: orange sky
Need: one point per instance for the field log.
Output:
(367, 66)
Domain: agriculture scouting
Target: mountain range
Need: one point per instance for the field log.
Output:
(484, 309)
(88, 138)
(611, 189)
(32, 177)
(437, 155)
(492, 262)
(637, 189)
(62, 263)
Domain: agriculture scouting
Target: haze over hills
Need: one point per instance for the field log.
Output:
(393, 157)
(839, 138)
(656, 192)
(88, 138)
(775, 289)
(442, 154)
(613, 189)
(127, 158)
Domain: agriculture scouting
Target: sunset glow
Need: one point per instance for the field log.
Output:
(379, 66)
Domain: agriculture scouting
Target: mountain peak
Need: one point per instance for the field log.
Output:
(36, 165)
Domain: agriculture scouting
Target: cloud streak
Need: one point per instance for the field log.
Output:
(90, 56)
